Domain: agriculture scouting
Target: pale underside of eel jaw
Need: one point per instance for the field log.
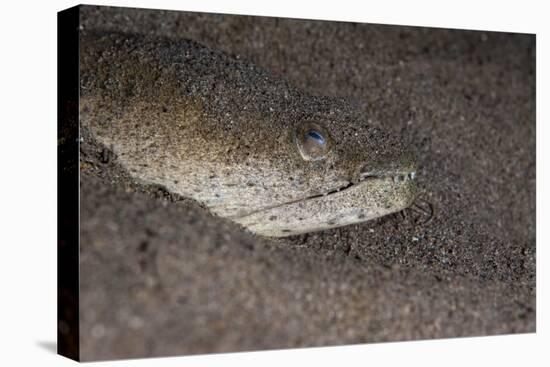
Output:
(373, 195)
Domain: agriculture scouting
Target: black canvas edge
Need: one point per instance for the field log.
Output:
(68, 217)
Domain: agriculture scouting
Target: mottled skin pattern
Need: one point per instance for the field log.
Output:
(223, 132)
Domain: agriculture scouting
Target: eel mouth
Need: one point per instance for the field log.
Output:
(365, 178)
(372, 195)
(396, 177)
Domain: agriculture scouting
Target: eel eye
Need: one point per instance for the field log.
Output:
(315, 135)
(313, 142)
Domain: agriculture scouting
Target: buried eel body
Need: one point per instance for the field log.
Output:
(247, 145)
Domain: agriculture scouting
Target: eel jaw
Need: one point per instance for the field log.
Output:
(371, 196)
(395, 177)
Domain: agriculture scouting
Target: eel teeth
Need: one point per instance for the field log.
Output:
(395, 178)
(405, 177)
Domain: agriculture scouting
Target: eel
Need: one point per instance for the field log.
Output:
(246, 144)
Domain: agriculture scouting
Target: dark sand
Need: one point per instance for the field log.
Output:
(161, 276)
